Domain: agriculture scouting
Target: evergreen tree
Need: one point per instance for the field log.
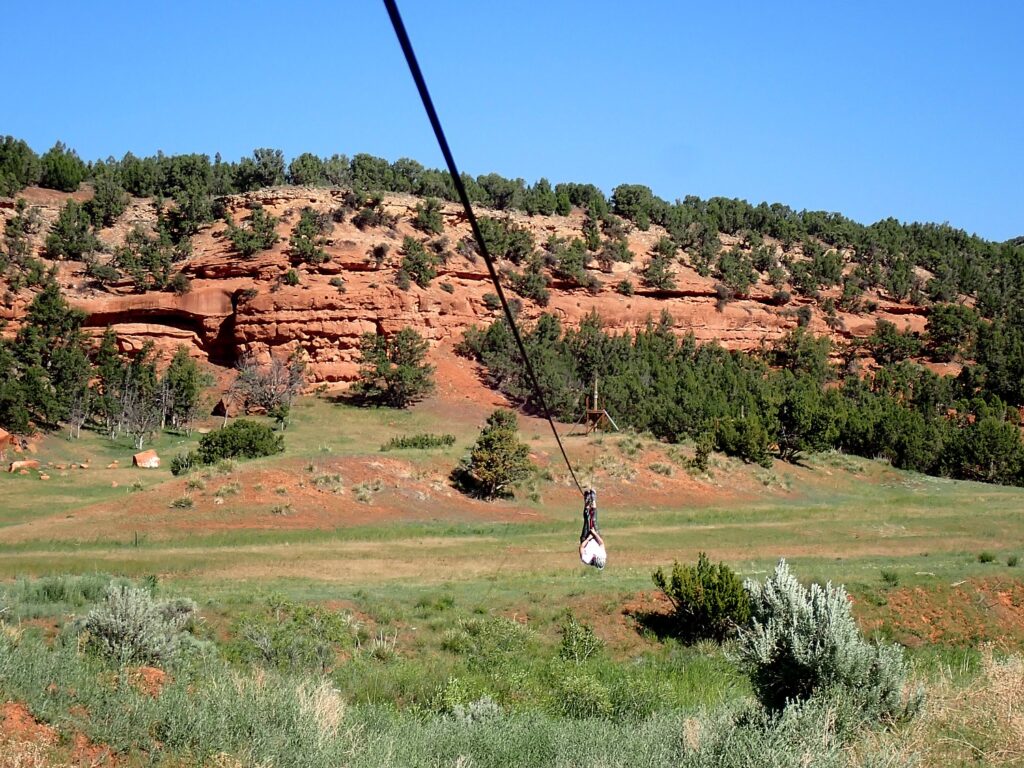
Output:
(19, 228)
(148, 261)
(428, 217)
(19, 166)
(888, 345)
(950, 330)
(393, 370)
(183, 383)
(61, 169)
(540, 199)
(306, 170)
(658, 273)
(417, 262)
(498, 459)
(14, 413)
(49, 352)
(71, 236)
(108, 202)
(264, 169)
(110, 378)
(258, 234)
(309, 236)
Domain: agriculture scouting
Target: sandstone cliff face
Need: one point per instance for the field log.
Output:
(239, 307)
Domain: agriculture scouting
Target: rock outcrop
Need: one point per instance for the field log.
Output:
(237, 307)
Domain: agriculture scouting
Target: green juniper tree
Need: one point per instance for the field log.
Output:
(19, 166)
(393, 370)
(181, 390)
(258, 234)
(418, 263)
(306, 170)
(108, 202)
(428, 217)
(310, 236)
(71, 236)
(498, 459)
(61, 168)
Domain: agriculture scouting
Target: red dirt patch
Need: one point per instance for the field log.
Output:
(962, 615)
(19, 729)
(149, 680)
(17, 722)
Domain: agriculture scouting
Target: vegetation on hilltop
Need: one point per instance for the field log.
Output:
(751, 407)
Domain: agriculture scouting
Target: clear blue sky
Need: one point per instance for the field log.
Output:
(909, 109)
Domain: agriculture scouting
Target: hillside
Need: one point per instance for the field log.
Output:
(236, 306)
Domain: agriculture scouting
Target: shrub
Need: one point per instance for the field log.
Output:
(379, 253)
(890, 578)
(241, 438)
(1012, 561)
(579, 696)
(626, 287)
(71, 236)
(61, 168)
(419, 263)
(130, 627)
(393, 371)
(373, 214)
(292, 636)
(531, 284)
(428, 217)
(447, 287)
(257, 235)
(492, 302)
(498, 460)
(182, 502)
(709, 601)
(291, 277)
(487, 641)
(478, 711)
(180, 284)
(309, 236)
(805, 641)
(986, 557)
(579, 642)
(184, 463)
(107, 203)
(419, 441)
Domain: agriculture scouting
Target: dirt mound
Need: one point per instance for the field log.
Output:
(27, 743)
(963, 614)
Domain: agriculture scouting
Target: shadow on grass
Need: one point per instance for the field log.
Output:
(664, 626)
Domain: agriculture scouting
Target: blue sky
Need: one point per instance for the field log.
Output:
(910, 109)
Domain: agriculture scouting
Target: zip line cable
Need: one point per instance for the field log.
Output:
(428, 105)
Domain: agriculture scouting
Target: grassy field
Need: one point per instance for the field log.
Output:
(382, 539)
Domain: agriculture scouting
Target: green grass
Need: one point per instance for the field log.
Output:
(415, 585)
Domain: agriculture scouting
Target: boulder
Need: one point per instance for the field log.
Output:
(17, 466)
(146, 460)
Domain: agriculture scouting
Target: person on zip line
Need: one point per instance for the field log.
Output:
(592, 551)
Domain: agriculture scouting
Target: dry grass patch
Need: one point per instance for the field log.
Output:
(982, 723)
